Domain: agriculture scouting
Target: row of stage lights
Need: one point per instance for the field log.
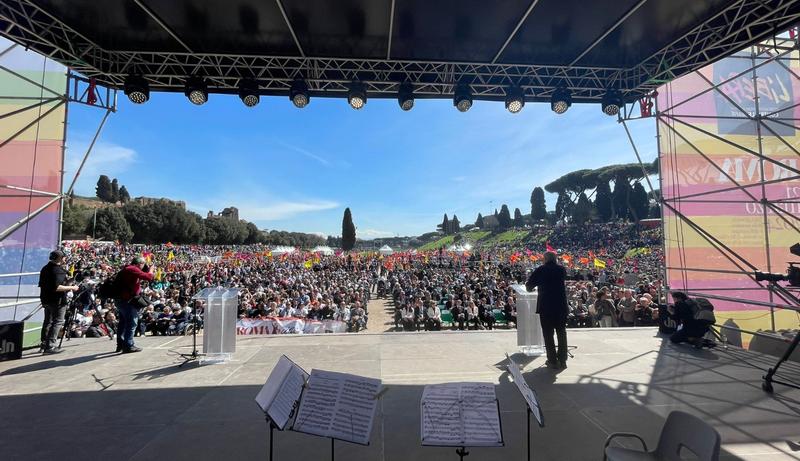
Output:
(196, 90)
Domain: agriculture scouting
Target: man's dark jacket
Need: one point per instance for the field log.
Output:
(50, 277)
(552, 301)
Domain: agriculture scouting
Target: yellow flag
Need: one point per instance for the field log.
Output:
(71, 270)
(307, 265)
(170, 256)
(158, 275)
(599, 263)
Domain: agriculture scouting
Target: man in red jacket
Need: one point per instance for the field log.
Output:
(128, 288)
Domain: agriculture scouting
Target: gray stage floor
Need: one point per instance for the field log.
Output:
(88, 403)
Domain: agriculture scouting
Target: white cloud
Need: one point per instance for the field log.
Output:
(369, 234)
(106, 158)
(458, 178)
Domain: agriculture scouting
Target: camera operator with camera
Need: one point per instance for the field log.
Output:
(53, 295)
(129, 302)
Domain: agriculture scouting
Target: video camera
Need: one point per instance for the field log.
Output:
(792, 273)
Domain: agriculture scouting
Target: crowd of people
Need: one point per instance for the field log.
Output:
(430, 290)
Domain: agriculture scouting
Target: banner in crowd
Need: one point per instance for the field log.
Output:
(734, 178)
(32, 138)
(288, 325)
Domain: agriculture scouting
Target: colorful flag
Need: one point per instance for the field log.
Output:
(599, 263)
(548, 247)
(308, 264)
(170, 255)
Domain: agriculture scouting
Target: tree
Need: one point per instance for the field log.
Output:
(114, 191)
(76, 220)
(602, 202)
(518, 221)
(563, 206)
(505, 217)
(348, 231)
(103, 189)
(479, 221)
(455, 225)
(639, 202)
(124, 196)
(620, 198)
(582, 211)
(538, 207)
(111, 225)
(445, 225)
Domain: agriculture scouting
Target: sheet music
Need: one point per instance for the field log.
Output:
(527, 393)
(338, 405)
(460, 414)
(281, 391)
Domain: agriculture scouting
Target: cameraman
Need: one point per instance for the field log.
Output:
(53, 295)
(129, 302)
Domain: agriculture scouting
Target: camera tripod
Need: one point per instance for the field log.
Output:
(769, 377)
(194, 355)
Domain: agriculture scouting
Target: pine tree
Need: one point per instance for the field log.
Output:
(445, 225)
(620, 197)
(603, 203)
(583, 210)
(114, 190)
(348, 231)
(639, 202)
(103, 189)
(455, 225)
(124, 196)
(479, 221)
(518, 221)
(538, 207)
(504, 217)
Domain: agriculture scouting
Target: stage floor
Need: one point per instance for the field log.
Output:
(89, 403)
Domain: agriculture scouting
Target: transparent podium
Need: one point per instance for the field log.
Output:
(219, 322)
(529, 329)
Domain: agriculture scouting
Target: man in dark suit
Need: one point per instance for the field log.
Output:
(551, 307)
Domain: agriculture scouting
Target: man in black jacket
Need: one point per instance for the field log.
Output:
(551, 306)
(53, 295)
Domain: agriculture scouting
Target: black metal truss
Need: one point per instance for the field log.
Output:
(739, 24)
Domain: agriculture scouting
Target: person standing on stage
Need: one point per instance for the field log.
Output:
(127, 283)
(53, 295)
(552, 307)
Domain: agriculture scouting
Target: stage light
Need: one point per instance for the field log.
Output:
(248, 92)
(462, 98)
(515, 99)
(405, 96)
(611, 103)
(357, 96)
(196, 90)
(561, 100)
(299, 94)
(137, 89)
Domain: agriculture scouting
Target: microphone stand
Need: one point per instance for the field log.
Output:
(194, 355)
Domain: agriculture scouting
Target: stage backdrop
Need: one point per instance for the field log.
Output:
(32, 160)
(718, 166)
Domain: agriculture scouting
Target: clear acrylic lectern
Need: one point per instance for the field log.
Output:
(529, 329)
(219, 322)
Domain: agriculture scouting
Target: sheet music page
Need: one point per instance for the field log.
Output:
(460, 414)
(273, 383)
(355, 410)
(338, 405)
(527, 393)
(481, 416)
(441, 422)
(289, 393)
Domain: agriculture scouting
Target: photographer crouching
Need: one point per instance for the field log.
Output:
(129, 302)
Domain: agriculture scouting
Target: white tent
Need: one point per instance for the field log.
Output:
(282, 250)
(325, 250)
(386, 250)
(465, 248)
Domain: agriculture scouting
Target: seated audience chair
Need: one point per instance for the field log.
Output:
(682, 431)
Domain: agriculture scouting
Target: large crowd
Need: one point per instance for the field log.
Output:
(430, 290)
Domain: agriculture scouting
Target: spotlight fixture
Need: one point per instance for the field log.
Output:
(405, 96)
(515, 99)
(611, 103)
(462, 98)
(137, 89)
(357, 96)
(248, 92)
(561, 100)
(299, 94)
(196, 90)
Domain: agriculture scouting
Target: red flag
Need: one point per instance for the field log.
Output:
(548, 247)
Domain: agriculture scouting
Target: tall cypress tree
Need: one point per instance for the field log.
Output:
(479, 221)
(124, 196)
(538, 208)
(518, 222)
(348, 231)
(445, 225)
(103, 189)
(504, 217)
(115, 190)
(605, 208)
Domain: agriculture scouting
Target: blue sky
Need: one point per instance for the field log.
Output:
(292, 169)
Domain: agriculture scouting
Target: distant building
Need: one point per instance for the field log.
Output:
(231, 213)
(152, 200)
